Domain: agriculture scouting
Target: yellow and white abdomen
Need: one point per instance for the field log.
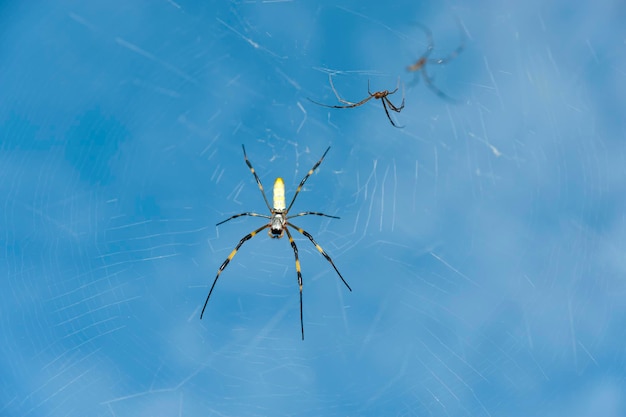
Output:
(279, 194)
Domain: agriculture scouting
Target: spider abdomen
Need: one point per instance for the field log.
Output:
(279, 194)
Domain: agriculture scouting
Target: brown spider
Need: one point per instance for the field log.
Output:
(420, 64)
(378, 95)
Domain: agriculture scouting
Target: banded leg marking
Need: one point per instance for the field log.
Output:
(225, 263)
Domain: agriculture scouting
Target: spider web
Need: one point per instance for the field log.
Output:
(484, 241)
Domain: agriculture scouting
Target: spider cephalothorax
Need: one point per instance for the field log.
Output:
(278, 224)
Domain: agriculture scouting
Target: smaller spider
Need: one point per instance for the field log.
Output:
(383, 96)
(424, 60)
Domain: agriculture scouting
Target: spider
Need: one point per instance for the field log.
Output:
(383, 96)
(424, 60)
(278, 224)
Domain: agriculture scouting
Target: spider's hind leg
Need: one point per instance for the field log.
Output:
(431, 86)
(388, 115)
(320, 250)
(227, 261)
(299, 272)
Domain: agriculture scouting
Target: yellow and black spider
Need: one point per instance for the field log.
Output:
(278, 222)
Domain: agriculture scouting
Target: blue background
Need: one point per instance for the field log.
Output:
(485, 242)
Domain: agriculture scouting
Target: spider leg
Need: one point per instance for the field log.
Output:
(454, 53)
(396, 89)
(429, 83)
(306, 177)
(423, 60)
(244, 214)
(332, 85)
(295, 252)
(450, 57)
(348, 104)
(391, 105)
(387, 113)
(416, 80)
(306, 213)
(225, 263)
(319, 248)
(429, 48)
(256, 177)
(360, 103)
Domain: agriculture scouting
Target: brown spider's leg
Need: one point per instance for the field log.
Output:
(396, 89)
(342, 107)
(349, 103)
(306, 177)
(456, 52)
(416, 80)
(387, 112)
(392, 106)
(319, 248)
(429, 48)
(306, 213)
(256, 177)
(423, 60)
(225, 263)
(429, 83)
(450, 57)
(244, 214)
(295, 252)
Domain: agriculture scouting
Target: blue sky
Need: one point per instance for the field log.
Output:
(483, 241)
